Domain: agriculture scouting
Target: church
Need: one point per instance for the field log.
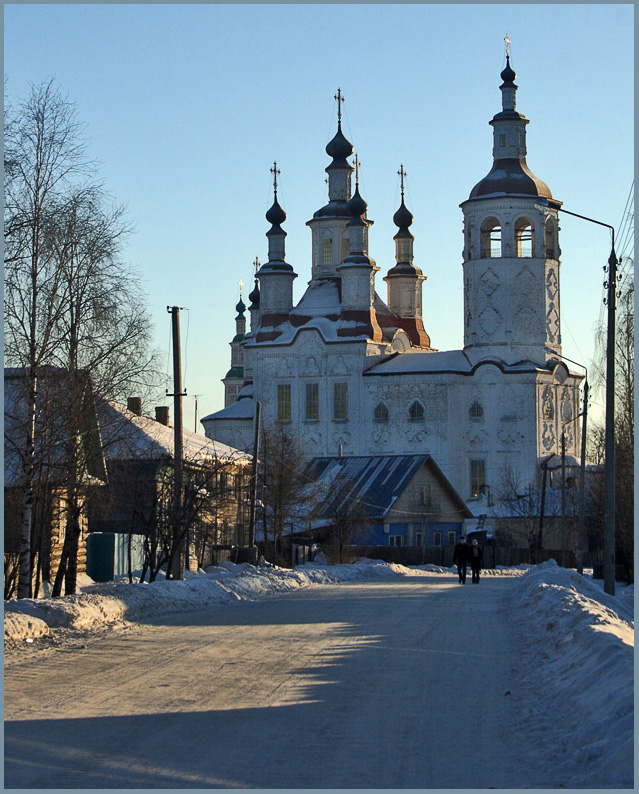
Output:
(352, 374)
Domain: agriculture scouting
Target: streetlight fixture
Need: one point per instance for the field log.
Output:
(581, 540)
(609, 482)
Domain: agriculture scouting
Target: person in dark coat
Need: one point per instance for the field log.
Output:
(476, 554)
(460, 559)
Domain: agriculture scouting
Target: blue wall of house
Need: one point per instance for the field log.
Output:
(107, 555)
(374, 535)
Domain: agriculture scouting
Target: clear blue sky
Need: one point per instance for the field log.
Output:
(187, 107)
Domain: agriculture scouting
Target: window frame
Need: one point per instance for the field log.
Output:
(284, 403)
(340, 401)
(477, 477)
(311, 400)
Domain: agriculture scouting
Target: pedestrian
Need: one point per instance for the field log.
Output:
(460, 559)
(476, 554)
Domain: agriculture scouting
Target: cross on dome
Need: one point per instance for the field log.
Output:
(256, 264)
(275, 171)
(357, 165)
(402, 174)
(338, 96)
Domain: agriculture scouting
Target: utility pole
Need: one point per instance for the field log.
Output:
(609, 510)
(256, 450)
(581, 535)
(181, 558)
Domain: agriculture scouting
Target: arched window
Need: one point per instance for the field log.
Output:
(381, 413)
(549, 233)
(490, 238)
(416, 412)
(476, 411)
(524, 237)
(327, 251)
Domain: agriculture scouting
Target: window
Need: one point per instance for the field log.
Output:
(452, 538)
(381, 413)
(419, 539)
(476, 411)
(477, 477)
(524, 237)
(416, 412)
(395, 540)
(340, 401)
(284, 402)
(549, 233)
(437, 538)
(423, 494)
(312, 401)
(327, 251)
(344, 246)
(490, 238)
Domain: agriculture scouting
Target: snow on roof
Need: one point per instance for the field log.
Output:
(443, 361)
(127, 436)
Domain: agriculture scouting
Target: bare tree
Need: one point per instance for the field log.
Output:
(44, 151)
(70, 301)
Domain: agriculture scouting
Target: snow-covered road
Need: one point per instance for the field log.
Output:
(401, 684)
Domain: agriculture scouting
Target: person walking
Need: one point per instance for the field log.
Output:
(460, 559)
(476, 554)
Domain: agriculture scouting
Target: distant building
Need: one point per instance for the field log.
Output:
(352, 372)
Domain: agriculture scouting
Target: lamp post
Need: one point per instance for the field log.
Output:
(609, 482)
(581, 539)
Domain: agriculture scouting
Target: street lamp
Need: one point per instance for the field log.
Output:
(581, 540)
(609, 483)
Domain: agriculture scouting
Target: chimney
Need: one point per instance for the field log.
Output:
(134, 404)
(162, 414)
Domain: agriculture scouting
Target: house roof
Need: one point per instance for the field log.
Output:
(372, 484)
(127, 436)
(54, 395)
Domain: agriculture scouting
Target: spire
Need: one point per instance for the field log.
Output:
(339, 148)
(254, 296)
(276, 235)
(508, 87)
(357, 227)
(403, 218)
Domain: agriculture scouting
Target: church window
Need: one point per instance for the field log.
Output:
(476, 411)
(477, 477)
(490, 238)
(381, 413)
(327, 252)
(284, 402)
(340, 401)
(312, 401)
(524, 237)
(416, 412)
(549, 233)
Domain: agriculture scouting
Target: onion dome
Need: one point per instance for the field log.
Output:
(254, 296)
(240, 307)
(276, 214)
(357, 206)
(403, 218)
(508, 75)
(339, 148)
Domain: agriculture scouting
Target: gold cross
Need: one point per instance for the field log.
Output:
(402, 174)
(240, 284)
(338, 96)
(275, 171)
(507, 40)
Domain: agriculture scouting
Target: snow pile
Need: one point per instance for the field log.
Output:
(101, 604)
(582, 647)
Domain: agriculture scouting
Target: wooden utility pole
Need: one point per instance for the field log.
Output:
(256, 451)
(181, 558)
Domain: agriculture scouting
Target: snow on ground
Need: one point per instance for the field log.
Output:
(578, 641)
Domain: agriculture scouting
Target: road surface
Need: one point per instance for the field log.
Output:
(394, 684)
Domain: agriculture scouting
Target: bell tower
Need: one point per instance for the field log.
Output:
(511, 250)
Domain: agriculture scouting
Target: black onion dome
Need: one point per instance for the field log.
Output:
(510, 176)
(339, 147)
(508, 75)
(403, 217)
(254, 296)
(276, 214)
(357, 206)
(240, 308)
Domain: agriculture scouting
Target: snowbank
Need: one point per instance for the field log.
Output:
(582, 641)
